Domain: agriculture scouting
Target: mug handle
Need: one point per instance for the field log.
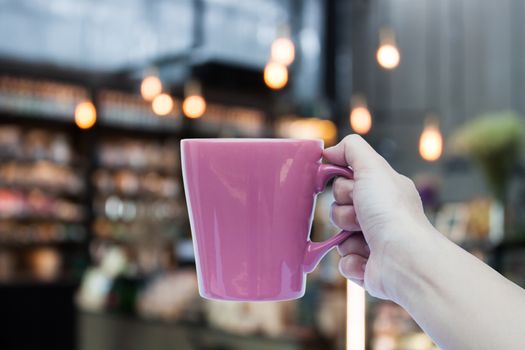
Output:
(315, 251)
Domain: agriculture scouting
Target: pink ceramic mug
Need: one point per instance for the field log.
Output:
(251, 205)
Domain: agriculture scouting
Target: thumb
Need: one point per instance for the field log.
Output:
(353, 151)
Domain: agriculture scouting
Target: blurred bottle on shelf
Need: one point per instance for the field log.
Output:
(45, 264)
(35, 205)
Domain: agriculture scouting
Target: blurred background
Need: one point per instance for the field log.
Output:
(95, 244)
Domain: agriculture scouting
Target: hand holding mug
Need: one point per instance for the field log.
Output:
(384, 205)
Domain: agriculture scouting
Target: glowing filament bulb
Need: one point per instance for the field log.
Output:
(85, 115)
(162, 104)
(431, 142)
(283, 51)
(275, 75)
(387, 54)
(361, 120)
(194, 106)
(360, 117)
(150, 87)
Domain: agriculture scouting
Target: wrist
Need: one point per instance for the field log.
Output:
(408, 261)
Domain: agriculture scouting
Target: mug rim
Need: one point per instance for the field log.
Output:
(251, 140)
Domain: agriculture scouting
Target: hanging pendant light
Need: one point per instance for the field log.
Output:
(360, 116)
(283, 48)
(431, 140)
(387, 54)
(151, 86)
(282, 54)
(283, 51)
(275, 75)
(194, 104)
(162, 105)
(85, 115)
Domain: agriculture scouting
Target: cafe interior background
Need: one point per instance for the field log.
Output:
(95, 245)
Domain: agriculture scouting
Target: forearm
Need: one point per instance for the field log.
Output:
(458, 300)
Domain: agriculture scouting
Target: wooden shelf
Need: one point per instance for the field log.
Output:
(78, 244)
(30, 219)
(140, 169)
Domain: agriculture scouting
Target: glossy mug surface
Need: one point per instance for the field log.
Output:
(251, 203)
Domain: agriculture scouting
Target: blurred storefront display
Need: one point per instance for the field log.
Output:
(95, 243)
(107, 214)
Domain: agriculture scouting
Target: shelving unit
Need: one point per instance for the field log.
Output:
(138, 202)
(42, 214)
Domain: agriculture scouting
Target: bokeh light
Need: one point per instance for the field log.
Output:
(308, 128)
(388, 56)
(162, 104)
(360, 120)
(194, 106)
(283, 51)
(85, 115)
(275, 75)
(150, 87)
(431, 143)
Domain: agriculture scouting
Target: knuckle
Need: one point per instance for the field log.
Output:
(352, 138)
(355, 137)
(338, 185)
(337, 213)
(338, 217)
(341, 187)
(338, 196)
(342, 216)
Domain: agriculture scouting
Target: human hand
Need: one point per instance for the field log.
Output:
(385, 211)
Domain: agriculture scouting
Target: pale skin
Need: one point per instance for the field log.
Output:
(396, 254)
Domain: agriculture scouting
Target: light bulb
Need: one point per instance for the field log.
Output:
(431, 143)
(283, 51)
(194, 106)
(162, 104)
(388, 56)
(85, 115)
(150, 87)
(360, 120)
(275, 75)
